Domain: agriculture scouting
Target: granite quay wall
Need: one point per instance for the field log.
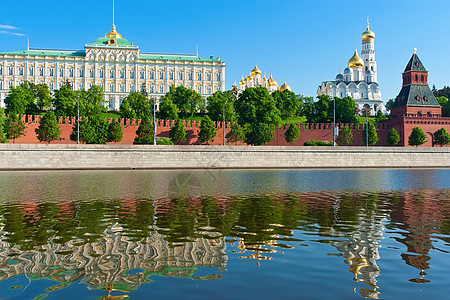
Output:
(66, 157)
(308, 131)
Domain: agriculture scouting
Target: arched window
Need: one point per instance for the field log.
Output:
(422, 78)
(417, 78)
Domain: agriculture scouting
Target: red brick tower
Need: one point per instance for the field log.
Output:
(415, 105)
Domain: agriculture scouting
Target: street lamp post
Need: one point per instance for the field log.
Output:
(154, 121)
(78, 121)
(223, 124)
(334, 122)
(367, 130)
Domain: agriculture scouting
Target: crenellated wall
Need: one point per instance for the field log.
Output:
(308, 131)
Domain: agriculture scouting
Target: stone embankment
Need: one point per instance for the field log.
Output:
(104, 157)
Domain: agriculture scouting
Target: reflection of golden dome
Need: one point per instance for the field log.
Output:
(255, 71)
(113, 33)
(355, 61)
(285, 87)
(272, 81)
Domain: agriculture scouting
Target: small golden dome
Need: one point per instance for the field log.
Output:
(355, 61)
(113, 33)
(284, 87)
(255, 71)
(235, 88)
(264, 78)
(272, 81)
(368, 34)
(242, 82)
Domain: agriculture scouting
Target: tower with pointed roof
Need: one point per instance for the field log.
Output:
(360, 80)
(415, 97)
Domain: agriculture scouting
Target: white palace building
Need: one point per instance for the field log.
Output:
(114, 64)
(360, 80)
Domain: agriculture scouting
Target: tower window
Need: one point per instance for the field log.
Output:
(423, 79)
(417, 78)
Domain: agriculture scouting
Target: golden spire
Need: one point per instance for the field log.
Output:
(113, 33)
(368, 34)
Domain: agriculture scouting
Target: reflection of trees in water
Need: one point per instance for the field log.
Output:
(104, 240)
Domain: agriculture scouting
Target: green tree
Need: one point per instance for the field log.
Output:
(258, 134)
(187, 101)
(93, 130)
(178, 134)
(373, 137)
(144, 134)
(115, 132)
(136, 105)
(14, 127)
(256, 105)
(345, 136)
(64, 101)
(236, 134)
(207, 131)
(390, 104)
(441, 137)
(306, 107)
(91, 101)
(292, 133)
(379, 117)
(393, 137)
(42, 96)
(18, 100)
(321, 109)
(417, 137)
(443, 101)
(167, 109)
(48, 129)
(345, 110)
(3, 120)
(287, 102)
(216, 103)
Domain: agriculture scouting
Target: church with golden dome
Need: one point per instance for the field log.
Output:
(255, 80)
(360, 80)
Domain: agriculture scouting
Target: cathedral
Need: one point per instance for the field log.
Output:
(255, 80)
(360, 80)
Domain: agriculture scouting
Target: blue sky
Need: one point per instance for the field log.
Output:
(304, 41)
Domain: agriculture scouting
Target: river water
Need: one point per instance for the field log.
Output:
(279, 234)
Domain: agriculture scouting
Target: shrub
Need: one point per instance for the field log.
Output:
(318, 143)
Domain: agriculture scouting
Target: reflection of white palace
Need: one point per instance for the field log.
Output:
(114, 64)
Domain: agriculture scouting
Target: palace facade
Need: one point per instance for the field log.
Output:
(360, 79)
(114, 64)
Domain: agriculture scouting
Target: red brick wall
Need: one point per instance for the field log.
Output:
(308, 131)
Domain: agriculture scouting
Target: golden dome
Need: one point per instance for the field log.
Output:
(355, 61)
(235, 88)
(368, 34)
(264, 78)
(255, 71)
(113, 33)
(242, 82)
(272, 81)
(284, 87)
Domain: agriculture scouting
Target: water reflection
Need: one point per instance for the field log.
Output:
(118, 244)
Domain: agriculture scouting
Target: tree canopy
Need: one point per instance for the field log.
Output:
(187, 101)
(167, 109)
(14, 127)
(48, 129)
(287, 102)
(93, 130)
(145, 134)
(136, 105)
(178, 134)
(393, 137)
(345, 136)
(417, 137)
(292, 133)
(372, 134)
(257, 106)
(216, 103)
(207, 131)
(441, 137)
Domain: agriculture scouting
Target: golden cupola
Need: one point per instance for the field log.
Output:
(255, 71)
(113, 34)
(355, 61)
(272, 81)
(284, 87)
(368, 34)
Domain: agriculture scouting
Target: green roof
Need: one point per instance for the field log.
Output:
(103, 41)
(155, 56)
(64, 53)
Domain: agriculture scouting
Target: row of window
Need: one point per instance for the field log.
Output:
(112, 73)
